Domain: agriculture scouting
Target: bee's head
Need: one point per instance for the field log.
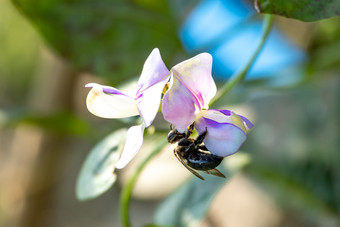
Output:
(174, 136)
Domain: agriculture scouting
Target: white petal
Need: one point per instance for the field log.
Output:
(133, 142)
(154, 71)
(114, 105)
(149, 101)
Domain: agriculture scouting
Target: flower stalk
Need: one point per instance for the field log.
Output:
(128, 188)
(239, 77)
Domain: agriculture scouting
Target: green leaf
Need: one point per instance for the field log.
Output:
(190, 203)
(109, 38)
(284, 185)
(327, 56)
(63, 123)
(305, 10)
(97, 173)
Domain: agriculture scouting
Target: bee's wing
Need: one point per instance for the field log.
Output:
(215, 172)
(180, 158)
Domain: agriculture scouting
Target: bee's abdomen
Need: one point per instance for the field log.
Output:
(203, 161)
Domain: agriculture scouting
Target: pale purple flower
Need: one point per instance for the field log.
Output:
(186, 102)
(191, 87)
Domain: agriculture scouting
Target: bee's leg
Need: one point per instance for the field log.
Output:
(201, 137)
(203, 147)
(190, 129)
(215, 172)
(185, 142)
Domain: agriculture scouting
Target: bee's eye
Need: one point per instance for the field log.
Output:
(172, 137)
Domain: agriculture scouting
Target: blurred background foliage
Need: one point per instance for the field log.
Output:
(105, 37)
(50, 49)
(16, 34)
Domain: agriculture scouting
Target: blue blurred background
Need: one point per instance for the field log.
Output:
(230, 31)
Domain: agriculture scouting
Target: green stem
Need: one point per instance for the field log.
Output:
(127, 190)
(237, 78)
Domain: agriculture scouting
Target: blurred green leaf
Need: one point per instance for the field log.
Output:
(327, 56)
(188, 205)
(63, 123)
(305, 10)
(20, 47)
(97, 173)
(298, 159)
(109, 38)
(301, 196)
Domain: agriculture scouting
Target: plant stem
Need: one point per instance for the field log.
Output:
(238, 77)
(127, 190)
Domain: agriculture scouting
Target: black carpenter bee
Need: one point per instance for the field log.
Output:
(193, 154)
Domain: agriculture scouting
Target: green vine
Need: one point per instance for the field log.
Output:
(127, 189)
(238, 77)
